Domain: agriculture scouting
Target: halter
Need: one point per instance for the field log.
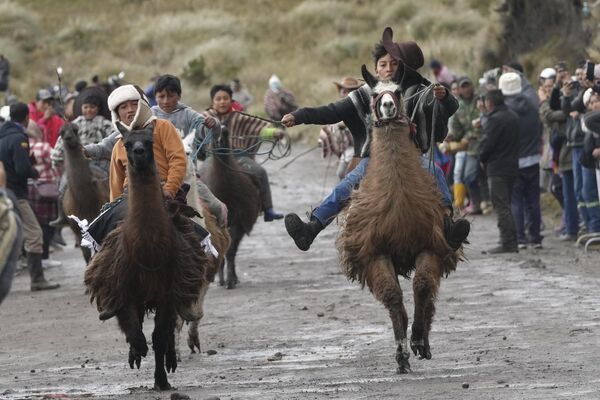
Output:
(379, 120)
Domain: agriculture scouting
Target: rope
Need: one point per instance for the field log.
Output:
(299, 155)
(261, 118)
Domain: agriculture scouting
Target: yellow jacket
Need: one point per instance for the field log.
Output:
(169, 156)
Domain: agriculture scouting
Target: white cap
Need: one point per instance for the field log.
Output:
(587, 96)
(548, 73)
(510, 83)
(5, 113)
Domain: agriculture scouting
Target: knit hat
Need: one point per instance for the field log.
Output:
(591, 122)
(510, 83)
(408, 52)
(548, 73)
(275, 83)
(120, 95)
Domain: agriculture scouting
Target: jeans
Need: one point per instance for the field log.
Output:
(467, 171)
(337, 199)
(569, 204)
(526, 204)
(586, 192)
(500, 195)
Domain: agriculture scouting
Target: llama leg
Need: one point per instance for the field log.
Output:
(130, 321)
(163, 346)
(236, 237)
(383, 282)
(193, 338)
(222, 273)
(178, 329)
(425, 287)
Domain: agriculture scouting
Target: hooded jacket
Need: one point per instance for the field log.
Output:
(591, 127)
(185, 119)
(14, 154)
(530, 129)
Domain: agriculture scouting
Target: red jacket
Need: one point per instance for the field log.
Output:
(50, 126)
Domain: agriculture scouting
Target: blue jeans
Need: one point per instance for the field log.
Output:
(569, 204)
(525, 204)
(586, 192)
(337, 199)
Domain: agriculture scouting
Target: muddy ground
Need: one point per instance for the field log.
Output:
(510, 327)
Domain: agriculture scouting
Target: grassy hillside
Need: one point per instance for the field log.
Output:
(307, 43)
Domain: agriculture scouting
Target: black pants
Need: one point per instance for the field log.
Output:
(500, 195)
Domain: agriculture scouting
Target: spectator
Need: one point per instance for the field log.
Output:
(11, 235)
(526, 89)
(561, 157)
(4, 74)
(591, 146)
(336, 139)
(45, 209)
(278, 100)
(526, 191)
(241, 95)
(442, 73)
(14, 153)
(465, 139)
(42, 112)
(500, 155)
(584, 179)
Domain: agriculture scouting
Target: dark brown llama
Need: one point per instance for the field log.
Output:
(395, 225)
(239, 190)
(152, 261)
(87, 190)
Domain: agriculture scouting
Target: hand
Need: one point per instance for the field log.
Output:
(476, 123)
(595, 154)
(279, 134)
(210, 122)
(542, 95)
(439, 92)
(168, 194)
(574, 114)
(288, 120)
(567, 89)
(2, 176)
(49, 111)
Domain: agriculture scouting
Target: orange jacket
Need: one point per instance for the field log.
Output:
(169, 156)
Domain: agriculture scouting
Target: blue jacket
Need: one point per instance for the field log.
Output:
(14, 154)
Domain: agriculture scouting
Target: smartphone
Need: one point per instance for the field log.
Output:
(589, 71)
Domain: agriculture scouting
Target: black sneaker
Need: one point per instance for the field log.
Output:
(457, 232)
(501, 250)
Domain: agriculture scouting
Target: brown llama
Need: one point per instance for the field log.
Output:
(152, 261)
(395, 225)
(239, 190)
(88, 188)
(220, 239)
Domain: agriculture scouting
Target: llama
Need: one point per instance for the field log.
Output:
(152, 261)
(395, 225)
(88, 187)
(239, 191)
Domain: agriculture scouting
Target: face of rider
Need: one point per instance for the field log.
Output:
(386, 67)
(127, 110)
(221, 102)
(166, 100)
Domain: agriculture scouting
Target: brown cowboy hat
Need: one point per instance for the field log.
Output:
(408, 52)
(348, 82)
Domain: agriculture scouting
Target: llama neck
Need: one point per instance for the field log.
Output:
(145, 200)
(78, 170)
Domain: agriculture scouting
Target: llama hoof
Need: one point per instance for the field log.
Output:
(162, 386)
(171, 361)
(420, 348)
(194, 343)
(134, 358)
(231, 284)
(403, 364)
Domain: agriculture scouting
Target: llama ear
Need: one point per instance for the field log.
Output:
(368, 77)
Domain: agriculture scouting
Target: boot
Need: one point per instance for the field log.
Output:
(271, 214)
(38, 281)
(302, 233)
(456, 232)
(460, 192)
(61, 220)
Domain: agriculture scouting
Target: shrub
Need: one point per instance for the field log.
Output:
(195, 72)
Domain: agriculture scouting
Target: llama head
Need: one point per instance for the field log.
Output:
(139, 147)
(387, 96)
(70, 135)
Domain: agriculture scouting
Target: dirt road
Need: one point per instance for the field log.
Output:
(523, 326)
